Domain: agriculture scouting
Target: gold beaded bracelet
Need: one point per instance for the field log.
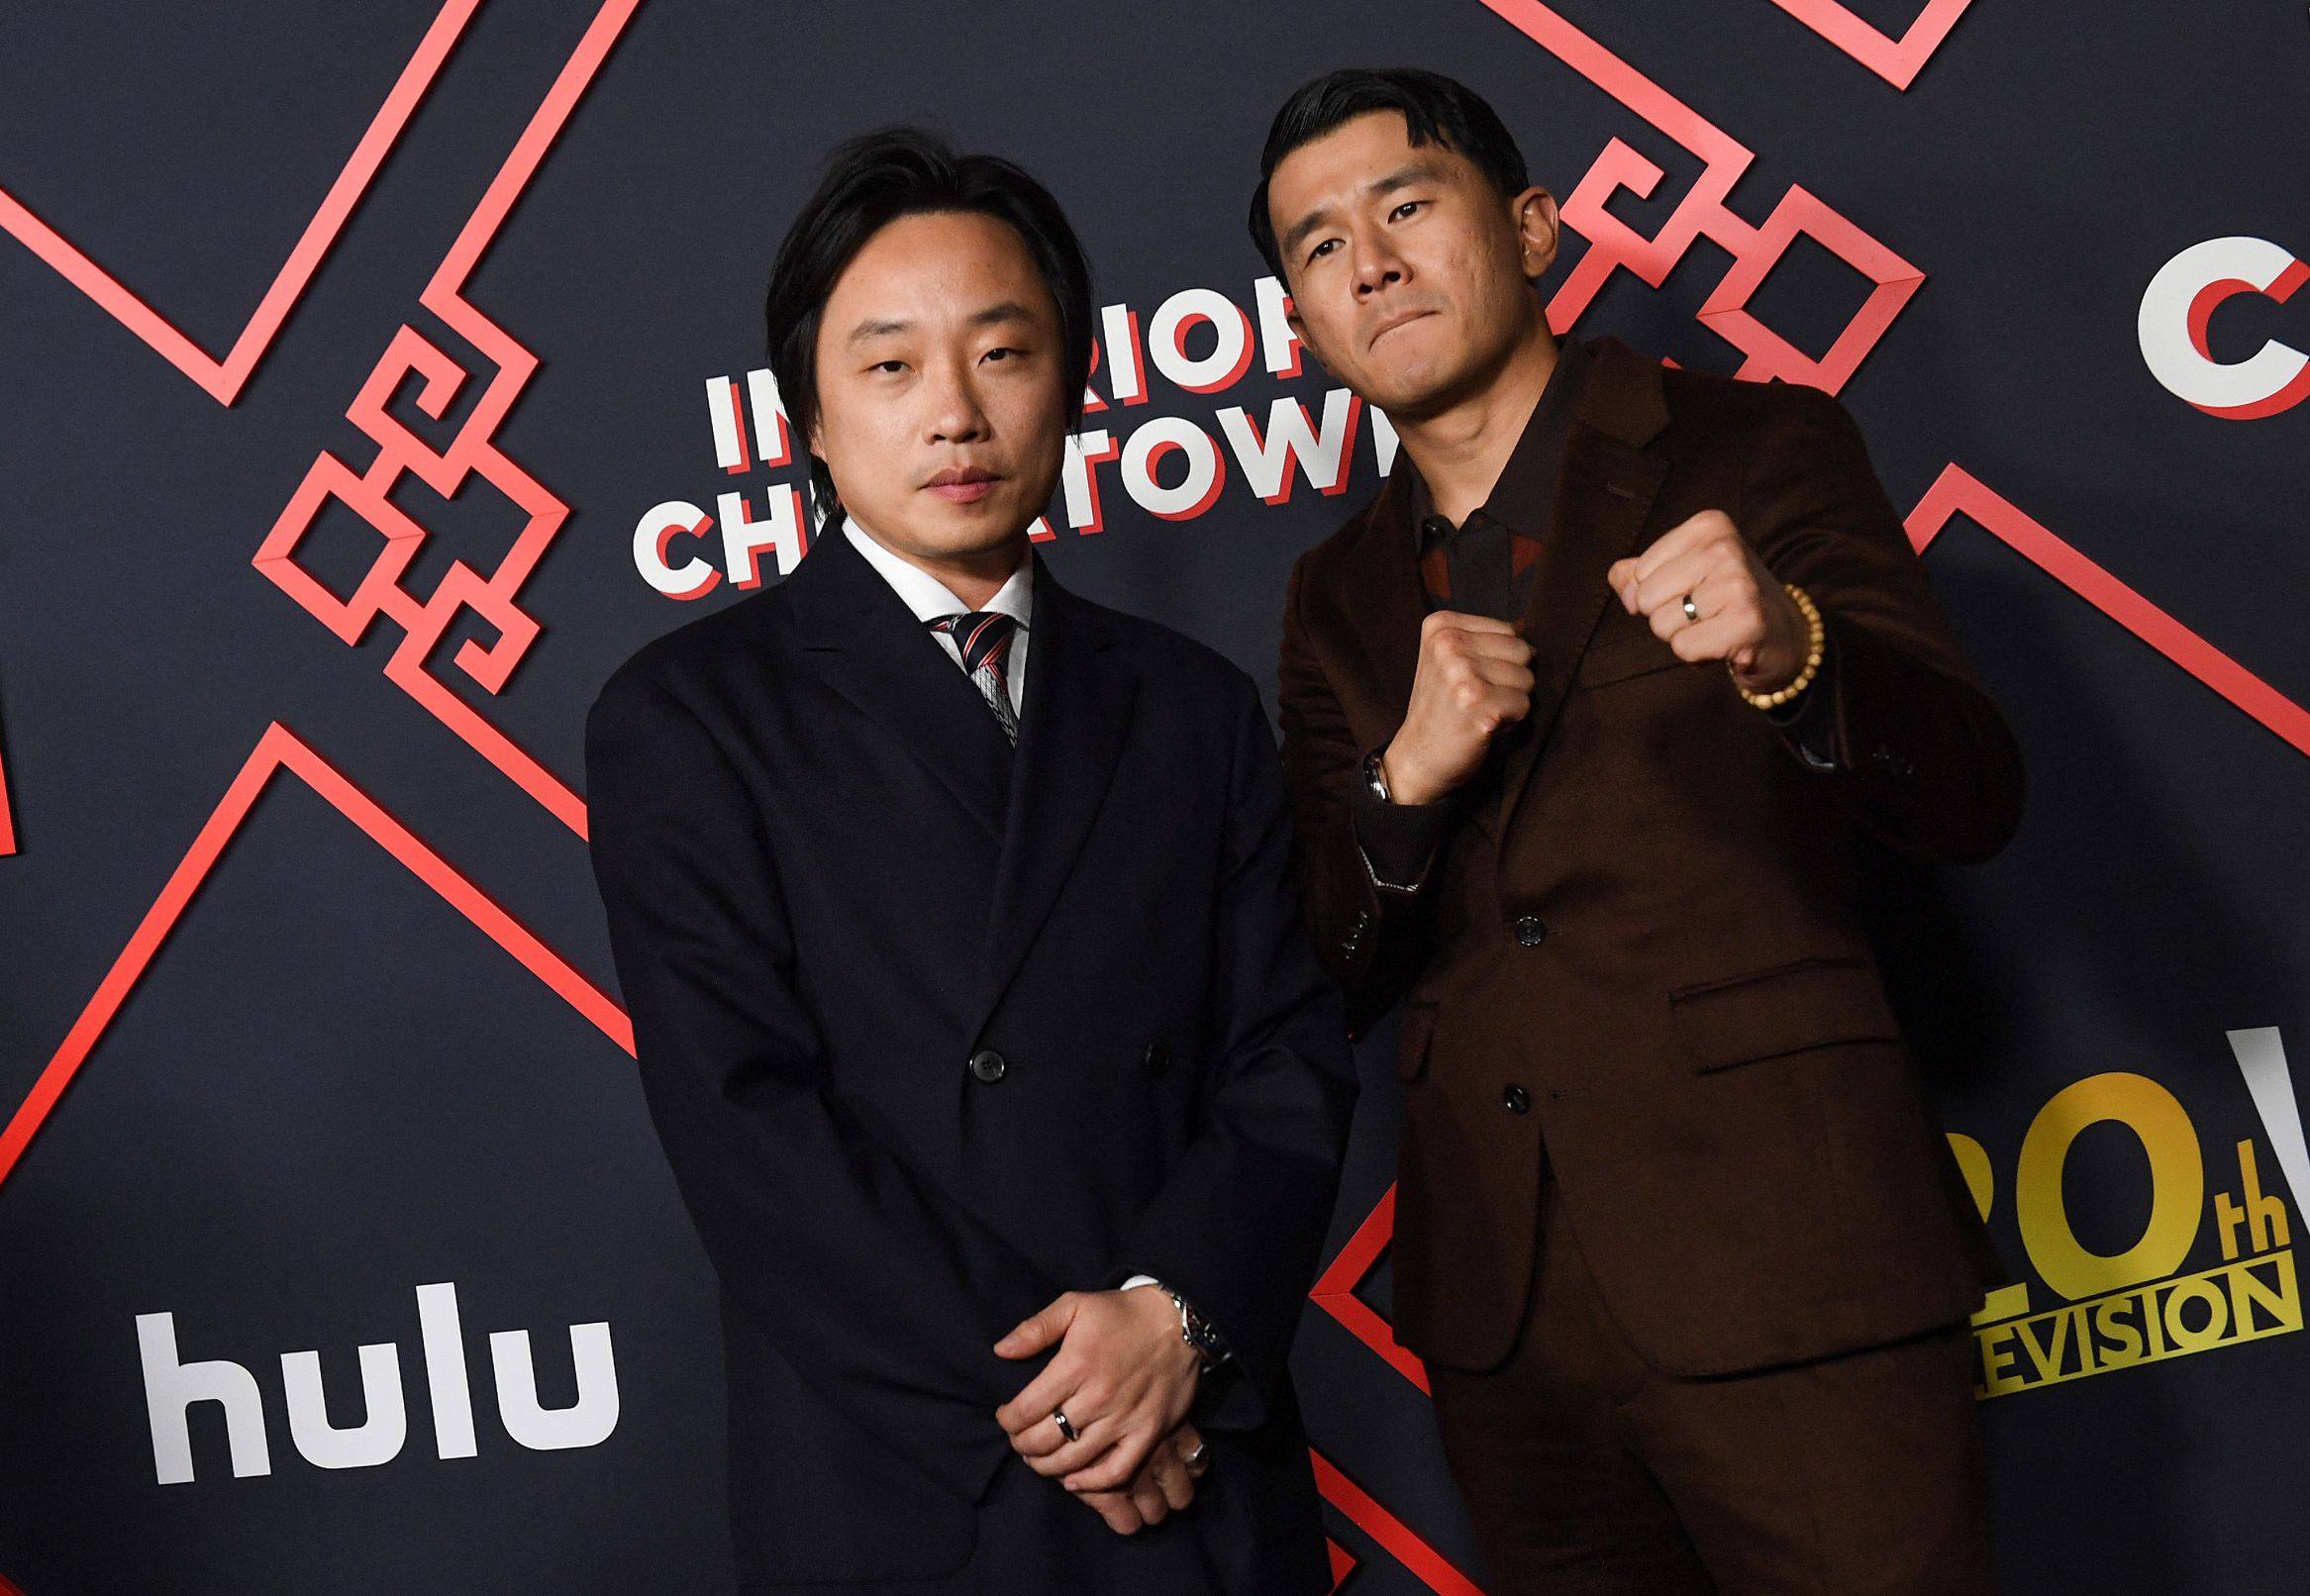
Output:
(1815, 640)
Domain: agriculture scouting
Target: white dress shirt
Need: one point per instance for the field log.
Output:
(930, 599)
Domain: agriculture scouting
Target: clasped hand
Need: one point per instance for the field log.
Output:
(1124, 1376)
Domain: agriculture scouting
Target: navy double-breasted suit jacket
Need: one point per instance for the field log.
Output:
(932, 1031)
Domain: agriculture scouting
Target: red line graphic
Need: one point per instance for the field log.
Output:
(1957, 492)
(1335, 1291)
(1896, 60)
(7, 845)
(279, 749)
(1417, 1556)
(224, 379)
(1702, 212)
(425, 619)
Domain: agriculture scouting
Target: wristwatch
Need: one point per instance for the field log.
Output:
(1197, 1331)
(1375, 774)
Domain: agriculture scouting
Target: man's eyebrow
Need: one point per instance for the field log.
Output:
(1299, 230)
(1009, 310)
(1418, 171)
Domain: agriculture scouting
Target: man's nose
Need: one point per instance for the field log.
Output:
(1376, 267)
(955, 414)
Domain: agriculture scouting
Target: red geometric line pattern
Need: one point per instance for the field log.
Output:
(1417, 1556)
(222, 379)
(1957, 492)
(279, 749)
(1334, 1290)
(7, 842)
(1702, 212)
(1896, 60)
(1335, 1293)
(426, 619)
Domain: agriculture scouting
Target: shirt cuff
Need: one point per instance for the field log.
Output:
(1398, 841)
(1808, 722)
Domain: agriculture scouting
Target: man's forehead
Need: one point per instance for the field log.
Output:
(960, 273)
(1363, 149)
(1360, 154)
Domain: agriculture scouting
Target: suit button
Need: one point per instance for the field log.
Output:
(1518, 1100)
(1531, 931)
(1159, 1058)
(988, 1065)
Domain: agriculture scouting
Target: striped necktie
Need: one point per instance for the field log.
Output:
(983, 639)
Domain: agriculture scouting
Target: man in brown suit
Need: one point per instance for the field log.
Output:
(1592, 719)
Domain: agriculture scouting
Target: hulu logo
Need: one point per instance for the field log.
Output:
(172, 1386)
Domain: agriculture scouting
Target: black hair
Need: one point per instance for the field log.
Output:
(872, 181)
(1435, 109)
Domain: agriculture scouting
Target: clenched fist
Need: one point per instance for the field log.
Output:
(1474, 677)
(1737, 611)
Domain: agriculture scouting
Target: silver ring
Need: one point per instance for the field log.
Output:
(1196, 1460)
(1692, 611)
(1065, 1426)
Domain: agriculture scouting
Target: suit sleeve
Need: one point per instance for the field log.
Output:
(884, 1295)
(1239, 1223)
(1920, 755)
(1373, 939)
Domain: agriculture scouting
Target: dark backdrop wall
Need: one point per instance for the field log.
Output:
(374, 377)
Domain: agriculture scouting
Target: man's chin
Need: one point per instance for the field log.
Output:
(960, 531)
(1409, 396)
(1415, 389)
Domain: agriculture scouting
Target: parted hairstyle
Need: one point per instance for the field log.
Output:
(1435, 109)
(872, 181)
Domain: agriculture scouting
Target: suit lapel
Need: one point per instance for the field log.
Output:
(1072, 731)
(1603, 499)
(869, 647)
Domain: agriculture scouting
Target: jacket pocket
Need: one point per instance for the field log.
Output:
(1418, 1029)
(1789, 1008)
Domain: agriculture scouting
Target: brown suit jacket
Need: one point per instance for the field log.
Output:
(1644, 927)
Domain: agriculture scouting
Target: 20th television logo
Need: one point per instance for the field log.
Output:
(2124, 1309)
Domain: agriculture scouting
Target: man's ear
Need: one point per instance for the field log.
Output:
(1538, 229)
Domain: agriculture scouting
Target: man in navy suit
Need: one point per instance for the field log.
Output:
(969, 992)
